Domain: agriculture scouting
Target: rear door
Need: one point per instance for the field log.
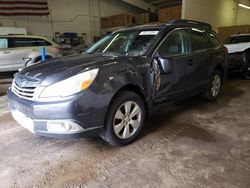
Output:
(175, 55)
(5, 56)
(202, 57)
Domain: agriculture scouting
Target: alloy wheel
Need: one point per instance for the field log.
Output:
(216, 85)
(127, 120)
(248, 73)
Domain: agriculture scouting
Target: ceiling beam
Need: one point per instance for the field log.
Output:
(141, 4)
(164, 3)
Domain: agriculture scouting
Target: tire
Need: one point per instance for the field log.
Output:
(123, 126)
(215, 85)
(246, 74)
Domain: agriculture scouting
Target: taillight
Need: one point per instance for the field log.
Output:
(225, 50)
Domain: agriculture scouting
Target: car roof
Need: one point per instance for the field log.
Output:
(177, 23)
(28, 36)
(24, 36)
(144, 27)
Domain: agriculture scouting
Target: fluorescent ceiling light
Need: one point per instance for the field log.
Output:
(244, 6)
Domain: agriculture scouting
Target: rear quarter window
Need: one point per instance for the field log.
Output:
(199, 40)
(214, 40)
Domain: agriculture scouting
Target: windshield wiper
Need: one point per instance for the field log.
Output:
(110, 53)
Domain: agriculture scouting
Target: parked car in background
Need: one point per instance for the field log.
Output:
(19, 51)
(111, 89)
(239, 54)
(67, 49)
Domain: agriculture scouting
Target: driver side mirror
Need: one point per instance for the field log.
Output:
(164, 64)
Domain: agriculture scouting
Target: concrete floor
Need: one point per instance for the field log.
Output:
(195, 144)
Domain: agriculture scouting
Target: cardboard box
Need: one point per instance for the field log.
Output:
(143, 18)
(224, 32)
(118, 20)
(170, 13)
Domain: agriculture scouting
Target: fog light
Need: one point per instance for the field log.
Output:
(63, 127)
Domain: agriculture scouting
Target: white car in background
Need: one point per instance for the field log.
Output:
(239, 54)
(19, 51)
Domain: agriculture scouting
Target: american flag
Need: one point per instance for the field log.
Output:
(24, 8)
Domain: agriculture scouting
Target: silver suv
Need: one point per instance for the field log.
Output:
(19, 51)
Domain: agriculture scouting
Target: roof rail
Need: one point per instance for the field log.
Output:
(203, 25)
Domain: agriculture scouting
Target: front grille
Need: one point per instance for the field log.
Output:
(24, 92)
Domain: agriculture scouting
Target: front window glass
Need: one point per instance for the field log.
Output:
(132, 43)
(27, 42)
(175, 44)
(3, 43)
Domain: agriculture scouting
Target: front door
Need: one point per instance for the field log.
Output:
(175, 60)
(5, 56)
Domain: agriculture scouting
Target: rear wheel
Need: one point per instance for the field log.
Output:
(247, 70)
(247, 73)
(125, 119)
(214, 88)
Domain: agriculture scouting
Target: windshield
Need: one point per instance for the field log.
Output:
(237, 39)
(131, 43)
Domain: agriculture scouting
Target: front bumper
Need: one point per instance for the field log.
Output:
(237, 62)
(84, 113)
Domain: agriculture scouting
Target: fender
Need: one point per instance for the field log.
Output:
(128, 75)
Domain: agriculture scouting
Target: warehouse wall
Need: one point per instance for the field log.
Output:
(217, 13)
(243, 15)
(81, 16)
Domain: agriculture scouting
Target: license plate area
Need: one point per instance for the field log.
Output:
(23, 120)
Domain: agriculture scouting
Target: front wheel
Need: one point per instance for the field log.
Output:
(214, 88)
(247, 73)
(125, 119)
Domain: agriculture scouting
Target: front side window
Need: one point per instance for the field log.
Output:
(199, 40)
(3, 43)
(20, 42)
(27, 42)
(132, 43)
(174, 44)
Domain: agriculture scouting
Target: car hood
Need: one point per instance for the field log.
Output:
(233, 48)
(59, 69)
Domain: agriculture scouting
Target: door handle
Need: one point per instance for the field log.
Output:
(6, 52)
(190, 62)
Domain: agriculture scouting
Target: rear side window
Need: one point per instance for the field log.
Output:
(175, 44)
(27, 42)
(3, 43)
(199, 40)
(41, 42)
(214, 40)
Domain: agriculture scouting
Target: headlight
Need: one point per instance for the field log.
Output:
(70, 85)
